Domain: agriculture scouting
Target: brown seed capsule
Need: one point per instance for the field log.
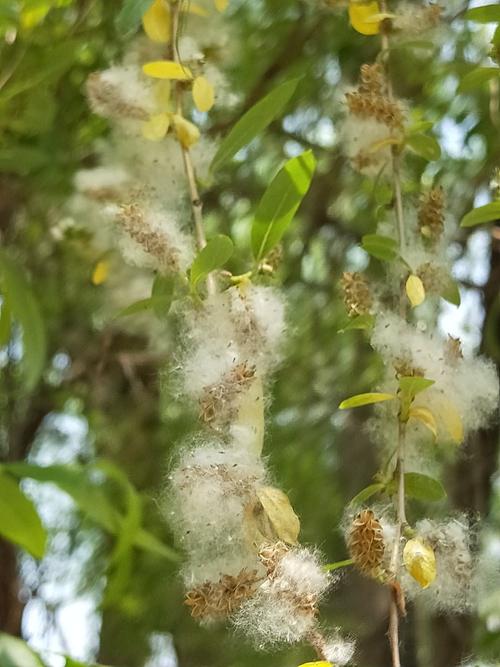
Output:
(431, 214)
(366, 543)
(370, 99)
(357, 295)
(215, 601)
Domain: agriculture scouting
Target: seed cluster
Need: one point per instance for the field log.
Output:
(431, 214)
(370, 100)
(366, 543)
(357, 295)
(216, 601)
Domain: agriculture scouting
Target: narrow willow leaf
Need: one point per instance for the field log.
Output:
(477, 77)
(129, 17)
(423, 487)
(358, 322)
(156, 22)
(19, 520)
(156, 127)
(412, 386)
(360, 15)
(485, 14)
(26, 312)
(365, 399)
(280, 513)
(14, 652)
(137, 307)
(213, 256)
(420, 561)
(254, 122)
(381, 247)
(167, 69)
(280, 203)
(451, 293)
(477, 216)
(330, 567)
(162, 294)
(425, 416)
(203, 94)
(415, 291)
(425, 146)
(367, 493)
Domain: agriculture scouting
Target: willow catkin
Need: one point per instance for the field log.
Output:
(366, 543)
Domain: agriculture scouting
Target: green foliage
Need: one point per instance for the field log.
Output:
(411, 386)
(359, 322)
(16, 653)
(21, 302)
(482, 214)
(213, 256)
(424, 145)
(365, 399)
(367, 493)
(254, 121)
(381, 247)
(280, 202)
(477, 77)
(19, 520)
(129, 17)
(423, 487)
(484, 14)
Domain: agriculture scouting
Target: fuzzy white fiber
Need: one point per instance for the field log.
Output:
(339, 651)
(470, 384)
(274, 614)
(360, 135)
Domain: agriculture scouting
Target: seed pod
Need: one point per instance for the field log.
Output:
(431, 214)
(366, 544)
(357, 295)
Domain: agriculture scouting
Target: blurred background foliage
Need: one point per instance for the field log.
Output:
(88, 396)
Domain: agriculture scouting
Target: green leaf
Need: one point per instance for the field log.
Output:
(366, 493)
(381, 247)
(485, 14)
(5, 323)
(425, 146)
(19, 520)
(477, 216)
(149, 542)
(451, 293)
(15, 652)
(423, 487)
(358, 322)
(26, 312)
(130, 15)
(411, 386)
(365, 399)
(137, 307)
(337, 565)
(280, 203)
(22, 160)
(254, 121)
(162, 294)
(477, 77)
(213, 256)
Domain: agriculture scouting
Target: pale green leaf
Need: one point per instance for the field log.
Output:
(280, 203)
(162, 294)
(485, 14)
(254, 121)
(424, 145)
(477, 216)
(14, 652)
(130, 15)
(330, 567)
(411, 386)
(381, 247)
(477, 77)
(423, 487)
(213, 256)
(367, 493)
(358, 322)
(365, 399)
(451, 293)
(19, 520)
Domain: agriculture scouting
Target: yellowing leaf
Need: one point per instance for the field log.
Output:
(280, 513)
(451, 419)
(420, 561)
(425, 416)
(156, 127)
(221, 5)
(167, 69)
(100, 272)
(203, 94)
(365, 399)
(162, 93)
(196, 9)
(156, 22)
(248, 427)
(318, 663)
(415, 291)
(187, 133)
(360, 15)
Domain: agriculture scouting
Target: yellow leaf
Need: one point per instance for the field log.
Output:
(221, 5)
(167, 69)
(415, 291)
(420, 561)
(162, 92)
(156, 22)
(425, 416)
(318, 663)
(249, 423)
(203, 94)
(156, 127)
(187, 133)
(360, 15)
(100, 272)
(280, 513)
(383, 143)
(451, 419)
(32, 17)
